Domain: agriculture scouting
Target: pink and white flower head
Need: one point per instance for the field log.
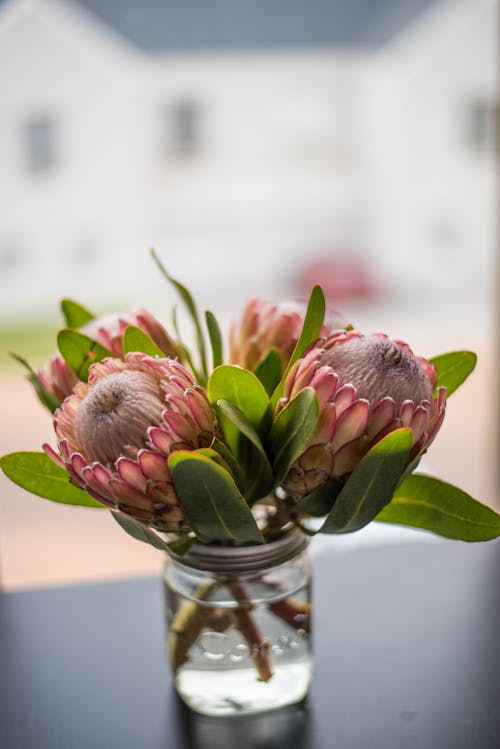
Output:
(58, 378)
(115, 432)
(265, 326)
(367, 386)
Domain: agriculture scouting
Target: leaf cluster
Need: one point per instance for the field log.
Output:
(258, 445)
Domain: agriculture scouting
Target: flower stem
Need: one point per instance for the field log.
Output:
(189, 622)
(258, 647)
(295, 613)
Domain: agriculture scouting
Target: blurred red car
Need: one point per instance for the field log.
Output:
(341, 279)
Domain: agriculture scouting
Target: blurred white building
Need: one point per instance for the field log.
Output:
(241, 140)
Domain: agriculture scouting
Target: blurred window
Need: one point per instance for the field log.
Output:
(183, 127)
(483, 125)
(40, 144)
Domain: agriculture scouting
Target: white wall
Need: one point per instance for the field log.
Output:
(302, 152)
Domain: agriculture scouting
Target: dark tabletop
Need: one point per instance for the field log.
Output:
(407, 643)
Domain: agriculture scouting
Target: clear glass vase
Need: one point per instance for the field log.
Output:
(239, 625)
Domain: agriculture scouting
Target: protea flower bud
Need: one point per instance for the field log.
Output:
(265, 326)
(367, 386)
(115, 432)
(108, 330)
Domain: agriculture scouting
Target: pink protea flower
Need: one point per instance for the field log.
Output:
(115, 432)
(266, 326)
(58, 378)
(367, 386)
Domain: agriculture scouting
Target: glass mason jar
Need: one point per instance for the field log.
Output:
(239, 637)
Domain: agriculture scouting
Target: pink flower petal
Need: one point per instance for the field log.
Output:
(160, 439)
(64, 448)
(381, 416)
(153, 465)
(78, 463)
(349, 455)
(126, 494)
(406, 412)
(327, 422)
(325, 383)
(435, 428)
(441, 398)
(345, 396)
(180, 425)
(351, 424)
(130, 472)
(55, 458)
(419, 423)
(162, 494)
(100, 497)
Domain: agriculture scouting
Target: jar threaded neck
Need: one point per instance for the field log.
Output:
(239, 559)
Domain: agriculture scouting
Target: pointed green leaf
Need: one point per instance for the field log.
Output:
(233, 465)
(135, 339)
(292, 431)
(74, 314)
(313, 322)
(36, 473)
(80, 351)
(321, 500)
(371, 485)
(428, 503)
(257, 473)
(240, 388)
(269, 370)
(139, 531)
(186, 353)
(215, 338)
(453, 368)
(238, 419)
(234, 468)
(191, 308)
(215, 509)
(45, 397)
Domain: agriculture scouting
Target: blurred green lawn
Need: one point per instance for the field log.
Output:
(35, 342)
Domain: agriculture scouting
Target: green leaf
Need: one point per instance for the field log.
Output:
(240, 388)
(75, 315)
(433, 505)
(313, 322)
(269, 370)
(257, 472)
(292, 431)
(36, 473)
(321, 500)
(191, 308)
(181, 545)
(371, 485)
(45, 397)
(224, 457)
(80, 351)
(186, 353)
(453, 368)
(135, 339)
(215, 338)
(229, 459)
(139, 531)
(238, 419)
(214, 507)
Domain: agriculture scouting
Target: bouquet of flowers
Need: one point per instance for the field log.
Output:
(303, 422)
